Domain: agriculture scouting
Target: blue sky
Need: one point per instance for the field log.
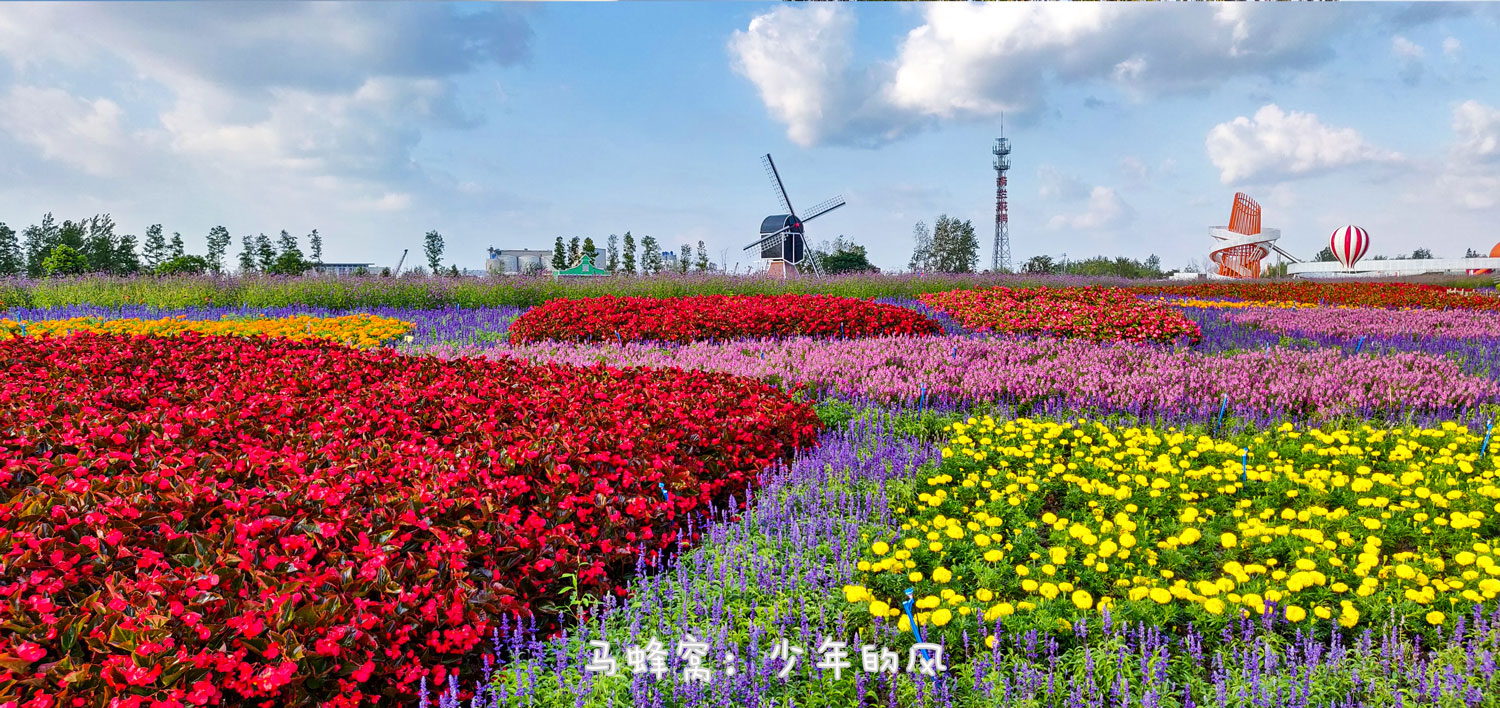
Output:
(507, 125)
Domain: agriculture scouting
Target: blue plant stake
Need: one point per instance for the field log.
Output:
(1223, 405)
(1361, 344)
(1244, 466)
(841, 331)
(23, 329)
(916, 630)
(621, 338)
(664, 494)
(922, 405)
(1489, 428)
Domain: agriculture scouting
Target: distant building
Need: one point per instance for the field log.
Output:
(518, 261)
(344, 268)
(669, 259)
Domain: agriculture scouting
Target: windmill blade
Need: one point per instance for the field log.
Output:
(823, 208)
(779, 236)
(776, 181)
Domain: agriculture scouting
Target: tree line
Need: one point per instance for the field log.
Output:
(620, 255)
(92, 246)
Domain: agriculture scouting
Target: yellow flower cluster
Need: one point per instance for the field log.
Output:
(361, 330)
(1233, 304)
(1040, 523)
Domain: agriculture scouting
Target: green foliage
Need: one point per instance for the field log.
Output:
(650, 256)
(629, 257)
(154, 250)
(560, 254)
(185, 265)
(1325, 255)
(218, 243)
(65, 260)
(247, 254)
(289, 263)
(12, 261)
(1119, 267)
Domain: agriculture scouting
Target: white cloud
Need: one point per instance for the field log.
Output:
(797, 59)
(1060, 186)
(1477, 127)
(1105, 210)
(1452, 46)
(1471, 176)
(1405, 48)
(967, 62)
(326, 98)
(1278, 144)
(88, 135)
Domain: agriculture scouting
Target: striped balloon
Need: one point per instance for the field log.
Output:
(1349, 244)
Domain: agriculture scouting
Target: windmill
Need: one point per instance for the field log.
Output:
(781, 239)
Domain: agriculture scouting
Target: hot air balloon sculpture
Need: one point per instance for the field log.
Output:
(1494, 253)
(1349, 244)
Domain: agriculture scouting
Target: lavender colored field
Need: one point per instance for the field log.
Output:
(1364, 321)
(775, 574)
(1274, 383)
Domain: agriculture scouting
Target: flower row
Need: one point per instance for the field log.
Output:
(219, 520)
(1094, 314)
(360, 330)
(715, 317)
(1274, 383)
(1393, 295)
(1038, 524)
(1355, 322)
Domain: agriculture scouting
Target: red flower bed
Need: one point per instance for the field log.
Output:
(702, 317)
(266, 522)
(1355, 294)
(1093, 313)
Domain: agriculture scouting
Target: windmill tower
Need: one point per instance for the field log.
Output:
(781, 235)
(1000, 259)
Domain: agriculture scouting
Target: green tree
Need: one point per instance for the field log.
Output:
(265, 255)
(453, 270)
(628, 258)
(72, 234)
(154, 250)
(650, 256)
(64, 260)
(126, 260)
(685, 258)
(184, 265)
(955, 246)
(614, 253)
(1040, 265)
(286, 243)
(218, 243)
(702, 257)
(99, 246)
(39, 242)
(432, 246)
(590, 251)
(559, 256)
(247, 254)
(921, 254)
(1422, 253)
(178, 249)
(1471, 253)
(289, 263)
(846, 256)
(12, 262)
(574, 252)
(1325, 255)
(315, 241)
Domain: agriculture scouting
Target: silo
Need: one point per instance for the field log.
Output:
(509, 264)
(526, 264)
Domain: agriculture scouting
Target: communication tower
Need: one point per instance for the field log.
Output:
(1000, 259)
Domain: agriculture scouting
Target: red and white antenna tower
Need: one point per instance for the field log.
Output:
(1000, 259)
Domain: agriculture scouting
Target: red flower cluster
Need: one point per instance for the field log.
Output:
(701, 317)
(212, 520)
(1394, 295)
(1093, 313)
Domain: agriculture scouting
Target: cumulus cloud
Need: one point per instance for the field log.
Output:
(1057, 185)
(325, 96)
(88, 135)
(966, 62)
(1105, 210)
(1471, 176)
(1409, 56)
(1452, 47)
(1477, 128)
(1276, 144)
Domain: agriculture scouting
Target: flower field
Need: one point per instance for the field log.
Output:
(714, 317)
(1095, 314)
(699, 494)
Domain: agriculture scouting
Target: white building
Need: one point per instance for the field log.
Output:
(518, 261)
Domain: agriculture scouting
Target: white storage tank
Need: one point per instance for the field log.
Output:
(527, 264)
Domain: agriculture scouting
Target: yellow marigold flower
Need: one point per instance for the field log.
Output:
(879, 608)
(941, 616)
(915, 576)
(1160, 596)
(1213, 606)
(941, 575)
(1435, 617)
(1082, 599)
(993, 555)
(1228, 540)
(880, 548)
(1295, 613)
